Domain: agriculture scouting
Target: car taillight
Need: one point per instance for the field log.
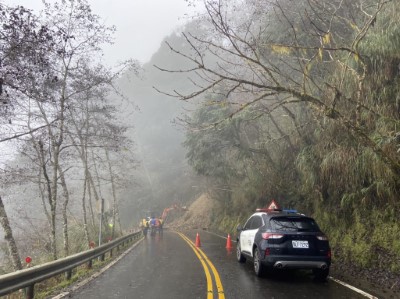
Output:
(329, 254)
(322, 238)
(267, 251)
(267, 236)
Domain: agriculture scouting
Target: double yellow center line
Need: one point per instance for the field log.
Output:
(206, 263)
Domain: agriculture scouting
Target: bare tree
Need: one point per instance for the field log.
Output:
(12, 246)
(319, 60)
(24, 45)
(48, 72)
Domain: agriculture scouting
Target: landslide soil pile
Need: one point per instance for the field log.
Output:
(198, 214)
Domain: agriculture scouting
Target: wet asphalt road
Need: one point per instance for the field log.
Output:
(167, 267)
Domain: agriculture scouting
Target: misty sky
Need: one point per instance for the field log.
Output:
(141, 24)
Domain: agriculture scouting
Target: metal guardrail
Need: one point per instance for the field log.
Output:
(27, 278)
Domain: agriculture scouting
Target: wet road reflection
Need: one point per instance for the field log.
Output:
(239, 280)
(164, 266)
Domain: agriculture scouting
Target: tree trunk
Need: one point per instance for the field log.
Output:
(12, 246)
(114, 212)
(85, 226)
(89, 186)
(96, 195)
(43, 198)
(64, 211)
(52, 202)
(46, 185)
(118, 219)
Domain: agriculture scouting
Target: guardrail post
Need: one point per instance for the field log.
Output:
(30, 292)
(111, 253)
(68, 274)
(89, 264)
(102, 257)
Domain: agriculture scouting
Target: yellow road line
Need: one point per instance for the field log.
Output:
(206, 271)
(218, 282)
(220, 289)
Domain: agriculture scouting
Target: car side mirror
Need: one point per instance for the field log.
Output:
(239, 228)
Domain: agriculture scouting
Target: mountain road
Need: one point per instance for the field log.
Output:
(169, 265)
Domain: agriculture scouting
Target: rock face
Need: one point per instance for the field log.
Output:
(198, 215)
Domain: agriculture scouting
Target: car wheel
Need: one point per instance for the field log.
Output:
(321, 274)
(258, 266)
(239, 255)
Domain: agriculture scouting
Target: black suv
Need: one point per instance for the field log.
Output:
(284, 240)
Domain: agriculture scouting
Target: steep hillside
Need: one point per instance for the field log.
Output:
(198, 215)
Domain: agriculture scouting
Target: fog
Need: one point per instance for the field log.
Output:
(162, 177)
(141, 25)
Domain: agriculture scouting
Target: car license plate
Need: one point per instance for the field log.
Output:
(300, 244)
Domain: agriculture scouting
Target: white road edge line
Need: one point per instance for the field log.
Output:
(365, 294)
(211, 233)
(361, 292)
(93, 276)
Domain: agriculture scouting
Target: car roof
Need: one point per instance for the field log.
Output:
(280, 214)
(258, 214)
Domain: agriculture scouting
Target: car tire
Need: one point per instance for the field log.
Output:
(239, 255)
(321, 274)
(258, 266)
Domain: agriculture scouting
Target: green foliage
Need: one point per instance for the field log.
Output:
(383, 39)
(338, 162)
(229, 224)
(207, 143)
(365, 239)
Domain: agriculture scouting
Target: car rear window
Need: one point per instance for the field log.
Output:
(294, 224)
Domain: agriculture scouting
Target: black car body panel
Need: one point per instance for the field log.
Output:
(285, 240)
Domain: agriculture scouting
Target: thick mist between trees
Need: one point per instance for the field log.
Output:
(292, 100)
(163, 177)
(92, 139)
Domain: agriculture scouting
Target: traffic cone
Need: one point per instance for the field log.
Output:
(229, 242)
(198, 244)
